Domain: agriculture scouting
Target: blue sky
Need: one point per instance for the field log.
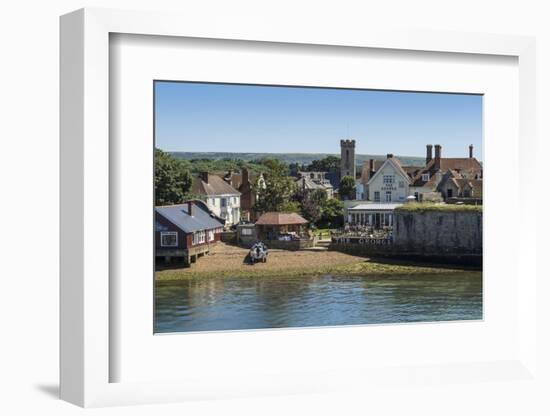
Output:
(199, 117)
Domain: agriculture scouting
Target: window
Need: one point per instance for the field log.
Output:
(246, 231)
(401, 184)
(449, 193)
(377, 196)
(168, 239)
(416, 196)
(467, 193)
(224, 202)
(210, 235)
(425, 177)
(388, 179)
(199, 237)
(388, 196)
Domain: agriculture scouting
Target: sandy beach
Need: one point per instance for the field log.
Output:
(229, 260)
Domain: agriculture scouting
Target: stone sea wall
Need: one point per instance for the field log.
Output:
(438, 232)
(434, 236)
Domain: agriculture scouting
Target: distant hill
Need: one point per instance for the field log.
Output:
(300, 158)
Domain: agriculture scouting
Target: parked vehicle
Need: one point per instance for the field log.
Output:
(258, 252)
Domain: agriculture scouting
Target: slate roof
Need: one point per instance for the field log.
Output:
(215, 186)
(178, 215)
(307, 183)
(281, 218)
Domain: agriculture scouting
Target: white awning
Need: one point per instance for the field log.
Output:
(375, 207)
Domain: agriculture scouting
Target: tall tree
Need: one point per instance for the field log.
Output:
(278, 190)
(172, 179)
(347, 188)
(326, 164)
(313, 203)
(332, 213)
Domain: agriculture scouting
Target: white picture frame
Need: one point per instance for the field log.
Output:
(87, 298)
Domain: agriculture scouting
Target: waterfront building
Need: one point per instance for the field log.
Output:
(185, 231)
(285, 230)
(390, 183)
(371, 214)
(462, 176)
(220, 197)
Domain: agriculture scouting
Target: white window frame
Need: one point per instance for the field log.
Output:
(376, 196)
(388, 179)
(425, 177)
(388, 193)
(168, 233)
(199, 237)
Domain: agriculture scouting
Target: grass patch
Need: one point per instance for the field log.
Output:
(321, 232)
(430, 207)
(360, 268)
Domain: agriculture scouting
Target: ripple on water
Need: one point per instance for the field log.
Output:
(238, 303)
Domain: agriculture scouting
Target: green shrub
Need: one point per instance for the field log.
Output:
(428, 207)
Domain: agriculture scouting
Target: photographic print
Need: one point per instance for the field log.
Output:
(286, 207)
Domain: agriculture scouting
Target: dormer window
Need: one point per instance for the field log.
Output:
(425, 177)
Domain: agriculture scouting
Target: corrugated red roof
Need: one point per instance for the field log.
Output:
(281, 218)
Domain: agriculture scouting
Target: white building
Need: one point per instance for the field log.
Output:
(389, 184)
(373, 214)
(222, 199)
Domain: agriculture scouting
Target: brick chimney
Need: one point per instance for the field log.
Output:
(471, 151)
(204, 176)
(371, 168)
(389, 155)
(428, 153)
(190, 209)
(437, 158)
(245, 178)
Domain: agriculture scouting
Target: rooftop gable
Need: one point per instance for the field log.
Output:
(214, 186)
(396, 164)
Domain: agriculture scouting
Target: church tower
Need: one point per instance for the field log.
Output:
(347, 158)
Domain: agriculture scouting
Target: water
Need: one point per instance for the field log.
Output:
(252, 303)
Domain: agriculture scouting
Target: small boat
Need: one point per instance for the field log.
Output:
(258, 253)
